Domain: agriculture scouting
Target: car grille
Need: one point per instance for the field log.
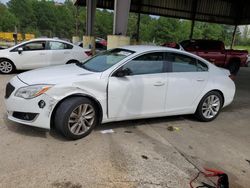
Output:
(9, 89)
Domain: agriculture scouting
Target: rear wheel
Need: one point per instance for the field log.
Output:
(76, 117)
(209, 106)
(234, 67)
(6, 66)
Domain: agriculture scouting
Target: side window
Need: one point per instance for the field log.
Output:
(54, 45)
(68, 46)
(146, 64)
(183, 63)
(32, 46)
(201, 66)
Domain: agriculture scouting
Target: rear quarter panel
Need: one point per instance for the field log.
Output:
(219, 80)
(78, 54)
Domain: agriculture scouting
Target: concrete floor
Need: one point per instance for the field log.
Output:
(142, 153)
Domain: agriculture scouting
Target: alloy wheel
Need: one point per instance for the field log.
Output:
(81, 119)
(211, 106)
(5, 67)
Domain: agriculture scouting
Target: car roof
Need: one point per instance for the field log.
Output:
(48, 39)
(147, 48)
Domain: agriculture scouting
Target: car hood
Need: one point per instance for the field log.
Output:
(4, 51)
(54, 74)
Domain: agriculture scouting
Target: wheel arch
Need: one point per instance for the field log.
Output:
(94, 100)
(216, 90)
(222, 95)
(8, 59)
(72, 60)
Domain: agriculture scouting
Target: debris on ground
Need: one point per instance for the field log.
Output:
(128, 131)
(171, 128)
(144, 157)
(107, 131)
(248, 161)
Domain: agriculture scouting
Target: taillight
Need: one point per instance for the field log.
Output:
(88, 53)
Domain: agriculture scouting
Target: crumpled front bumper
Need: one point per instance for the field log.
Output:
(29, 111)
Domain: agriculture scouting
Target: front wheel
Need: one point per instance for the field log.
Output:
(209, 106)
(233, 68)
(76, 117)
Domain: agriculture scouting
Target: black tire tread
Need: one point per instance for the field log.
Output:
(62, 114)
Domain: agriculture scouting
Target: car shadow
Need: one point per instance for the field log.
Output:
(25, 130)
(128, 124)
(142, 122)
(30, 131)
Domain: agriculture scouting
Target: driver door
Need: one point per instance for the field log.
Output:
(34, 55)
(141, 93)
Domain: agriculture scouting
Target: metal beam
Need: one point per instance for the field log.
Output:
(121, 13)
(194, 10)
(138, 27)
(90, 18)
(233, 38)
(192, 30)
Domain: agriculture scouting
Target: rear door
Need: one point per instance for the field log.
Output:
(187, 78)
(60, 53)
(143, 92)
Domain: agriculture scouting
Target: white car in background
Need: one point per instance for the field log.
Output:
(38, 53)
(120, 84)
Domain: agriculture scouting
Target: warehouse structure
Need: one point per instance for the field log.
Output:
(230, 12)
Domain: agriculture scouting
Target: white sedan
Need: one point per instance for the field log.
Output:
(38, 53)
(124, 83)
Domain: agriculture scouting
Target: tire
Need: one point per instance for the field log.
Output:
(209, 106)
(247, 64)
(233, 68)
(6, 66)
(72, 61)
(69, 118)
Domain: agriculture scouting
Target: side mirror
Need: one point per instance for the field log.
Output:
(123, 72)
(20, 50)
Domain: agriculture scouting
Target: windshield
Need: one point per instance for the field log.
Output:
(105, 60)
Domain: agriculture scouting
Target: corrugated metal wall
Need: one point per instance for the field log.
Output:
(219, 11)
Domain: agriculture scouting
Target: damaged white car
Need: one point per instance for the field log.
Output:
(124, 83)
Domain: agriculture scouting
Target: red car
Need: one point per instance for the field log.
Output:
(215, 52)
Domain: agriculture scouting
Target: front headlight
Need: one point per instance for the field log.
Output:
(33, 91)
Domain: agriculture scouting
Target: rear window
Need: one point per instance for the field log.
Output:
(54, 45)
(183, 63)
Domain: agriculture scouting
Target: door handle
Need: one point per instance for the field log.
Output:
(66, 52)
(42, 53)
(159, 83)
(200, 80)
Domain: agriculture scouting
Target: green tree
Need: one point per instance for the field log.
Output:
(8, 21)
(25, 14)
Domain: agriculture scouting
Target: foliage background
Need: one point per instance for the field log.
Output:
(46, 18)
